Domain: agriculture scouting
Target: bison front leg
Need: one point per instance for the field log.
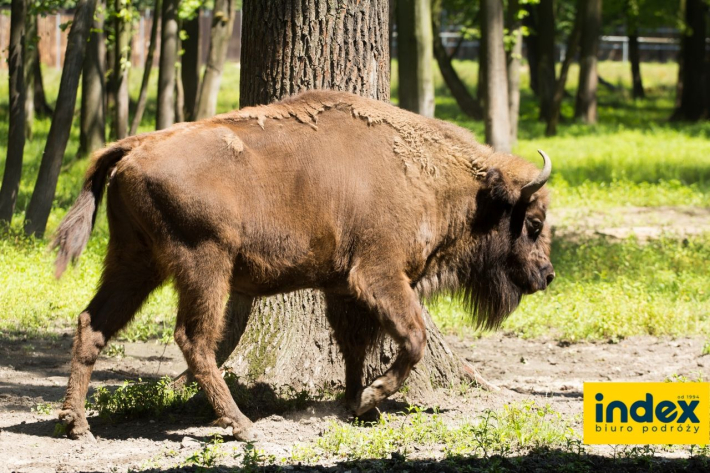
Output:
(202, 292)
(399, 312)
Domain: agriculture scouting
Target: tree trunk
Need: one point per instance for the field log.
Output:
(16, 132)
(572, 47)
(179, 91)
(42, 107)
(531, 44)
(513, 56)
(110, 106)
(415, 42)
(546, 58)
(29, 58)
(466, 102)
(220, 33)
(190, 69)
(93, 118)
(168, 58)
(496, 110)
(121, 68)
(635, 57)
(147, 68)
(692, 98)
(287, 339)
(586, 105)
(46, 185)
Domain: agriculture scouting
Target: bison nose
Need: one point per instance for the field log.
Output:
(548, 274)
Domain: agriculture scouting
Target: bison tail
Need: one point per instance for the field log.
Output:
(73, 233)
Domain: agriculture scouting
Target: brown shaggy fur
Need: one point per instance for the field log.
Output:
(325, 190)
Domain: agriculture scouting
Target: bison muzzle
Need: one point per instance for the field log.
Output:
(323, 190)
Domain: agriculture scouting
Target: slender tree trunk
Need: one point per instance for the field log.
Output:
(692, 98)
(179, 91)
(46, 185)
(513, 56)
(168, 58)
(679, 82)
(466, 102)
(220, 33)
(147, 68)
(287, 339)
(496, 110)
(16, 133)
(110, 106)
(121, 68)
(635, 57)
(42, 107)
(572, 47)
(29, 58)
(546, 57)
(532, 40)
(190, 69)
(93, 89)
(415, 42)
(586, 105)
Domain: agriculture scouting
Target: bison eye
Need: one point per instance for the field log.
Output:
(534, 226)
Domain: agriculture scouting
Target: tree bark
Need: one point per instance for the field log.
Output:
(179, 91)
(29, 58)
(546, 58)
(586, 105)
(41, 105)
(92, 135)
(16, 132)
(190, 69)
(497, 120)
(531, 44)
(692, 105)
(147, 68)
(288, 339)
(415, 42)
(121, 68)
(220, 33)
(168, 58)
(466, 102)
(572, 47)
(513, 56)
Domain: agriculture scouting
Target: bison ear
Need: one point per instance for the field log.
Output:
(499, 187)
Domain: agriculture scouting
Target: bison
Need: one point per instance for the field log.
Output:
(324, 190)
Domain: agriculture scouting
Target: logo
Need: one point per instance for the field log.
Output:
(647, 413)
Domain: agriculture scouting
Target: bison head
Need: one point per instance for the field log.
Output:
(511, 254)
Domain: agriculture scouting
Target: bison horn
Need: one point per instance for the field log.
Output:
(533, 186)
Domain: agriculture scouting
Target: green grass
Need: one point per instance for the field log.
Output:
(634, 156)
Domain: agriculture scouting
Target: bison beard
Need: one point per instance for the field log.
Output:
(324, 190)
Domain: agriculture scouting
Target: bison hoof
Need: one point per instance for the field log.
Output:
(244, 430)
(368, 399)
(76, 425)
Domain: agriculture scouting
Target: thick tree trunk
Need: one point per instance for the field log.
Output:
(46, 185)
(16, 133)
(415, 42)
(121, 68)
(147, 68)
(546, 58)
(512, 59)
(190, 68)
(635, 57)
(288, 339)
(692, 93)
(572, 47)
(220, 33)
(92, 135)
(29, 58)
(586, 105)
(168, 58)
(466, 102)
(532, 40)
(496, 109)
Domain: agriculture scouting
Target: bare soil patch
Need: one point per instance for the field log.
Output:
(34, 371)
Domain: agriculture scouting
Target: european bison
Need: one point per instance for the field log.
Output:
(323, 190)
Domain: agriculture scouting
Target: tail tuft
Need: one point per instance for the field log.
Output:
(74, 231)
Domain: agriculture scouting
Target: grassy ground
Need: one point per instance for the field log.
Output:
(634, 156)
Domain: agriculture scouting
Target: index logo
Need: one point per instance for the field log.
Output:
(646, 413)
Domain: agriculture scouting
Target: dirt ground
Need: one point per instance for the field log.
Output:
(34, 371)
